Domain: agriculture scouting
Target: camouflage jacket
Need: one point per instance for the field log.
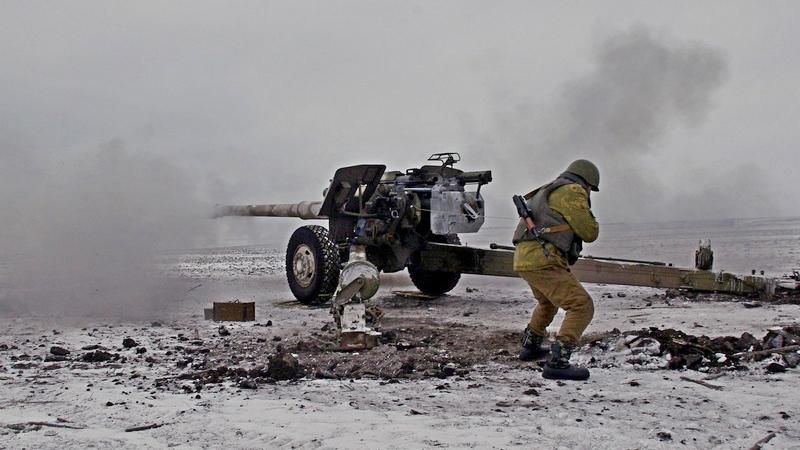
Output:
(572, 202)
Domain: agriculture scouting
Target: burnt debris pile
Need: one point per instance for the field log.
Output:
(654, 348)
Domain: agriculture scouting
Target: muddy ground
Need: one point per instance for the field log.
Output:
(446, 375)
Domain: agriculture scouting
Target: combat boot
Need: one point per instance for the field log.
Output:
(559, 368)
(532, 346)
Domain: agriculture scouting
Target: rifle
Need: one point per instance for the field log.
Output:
(526, 214)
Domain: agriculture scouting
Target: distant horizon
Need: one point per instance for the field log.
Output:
(481, 236)
(701, 220)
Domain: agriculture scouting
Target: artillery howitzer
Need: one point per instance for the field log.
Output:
(378, 221)
(388, 216)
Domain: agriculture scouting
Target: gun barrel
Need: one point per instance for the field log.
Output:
(302, 210)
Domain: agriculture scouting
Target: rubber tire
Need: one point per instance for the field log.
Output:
(435, 282)
(326, 271)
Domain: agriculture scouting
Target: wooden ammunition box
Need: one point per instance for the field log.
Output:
(234, 312)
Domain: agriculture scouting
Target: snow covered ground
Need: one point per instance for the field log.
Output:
(499, 403)
(488, 400)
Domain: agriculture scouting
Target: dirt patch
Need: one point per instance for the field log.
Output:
(410, 349)
(425, 348)
(415, 349)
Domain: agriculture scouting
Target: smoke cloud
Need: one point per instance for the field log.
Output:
(81, 235)
(640, 88)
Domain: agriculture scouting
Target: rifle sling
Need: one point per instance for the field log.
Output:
(556, 228)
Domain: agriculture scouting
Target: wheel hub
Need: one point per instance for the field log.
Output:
(304, 265)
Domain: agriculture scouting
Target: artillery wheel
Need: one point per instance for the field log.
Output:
(434, 282)
(312, 264)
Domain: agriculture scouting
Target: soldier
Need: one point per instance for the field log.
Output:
(563, 206)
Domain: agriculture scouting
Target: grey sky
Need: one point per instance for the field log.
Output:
(260, 101)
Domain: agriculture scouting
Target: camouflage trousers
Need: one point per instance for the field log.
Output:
(556, 287)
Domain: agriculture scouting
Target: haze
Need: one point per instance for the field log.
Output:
(127, 120)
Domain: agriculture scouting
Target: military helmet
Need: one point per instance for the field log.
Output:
(587, 171)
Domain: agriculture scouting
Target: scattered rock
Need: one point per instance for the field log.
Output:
(746, 342)
(141, 350)
(23, 365)
(675, 363)
(258, 372)
(448, 370)
(223, 331)
(97, 356)
(672, 293)
(408, 366)
(621, 294)
(284, 366)
(791, 359)
(646, 345)
(775, 368)
(59, 351)
(183, 363)
(664, 435)
(326, 375)
(129, 343)
(248, 384)
(93, 347)
(779, 337)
